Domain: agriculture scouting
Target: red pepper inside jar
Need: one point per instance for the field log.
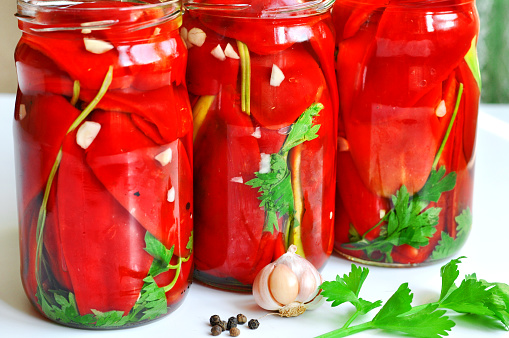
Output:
(262, 85)
(409, 86)
(103, 138)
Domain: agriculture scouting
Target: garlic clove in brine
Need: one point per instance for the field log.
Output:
(290, 282)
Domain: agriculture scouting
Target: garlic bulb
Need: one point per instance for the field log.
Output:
(289, 285)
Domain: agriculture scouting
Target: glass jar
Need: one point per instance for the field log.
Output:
(409, 86)
(103, 148)
(262, 85)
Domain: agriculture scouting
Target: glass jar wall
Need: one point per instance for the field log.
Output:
(262, 85)
(409, 88)
(103, 138)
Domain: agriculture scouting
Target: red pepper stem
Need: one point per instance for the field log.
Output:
(448, 132)
(41, 220)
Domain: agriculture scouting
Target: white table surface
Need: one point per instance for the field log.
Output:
(486, 249)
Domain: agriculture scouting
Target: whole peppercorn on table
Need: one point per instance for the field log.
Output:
(485, 251)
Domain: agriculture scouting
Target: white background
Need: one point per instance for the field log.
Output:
(486, 250)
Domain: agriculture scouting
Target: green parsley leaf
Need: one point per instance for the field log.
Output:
(449, 273)
(275, 186)
(426, 323)
(356, 278)
(469, 297)
(303, 129)
(190, 242)
(447, 245)
(161, 254)
(411, 221)
(437, 184)
(473, 296)
(398, 304)
(346, 289)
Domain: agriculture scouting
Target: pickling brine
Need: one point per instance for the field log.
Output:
(263, 90)
(409, 86)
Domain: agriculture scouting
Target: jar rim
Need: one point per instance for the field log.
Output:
(246, 9)
(29, 9)
(410, 3)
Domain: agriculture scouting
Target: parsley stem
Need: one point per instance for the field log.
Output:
(41, 220)
(177, 274)
(376, 225)
(348, 331)
(350, 321)
(449, 128)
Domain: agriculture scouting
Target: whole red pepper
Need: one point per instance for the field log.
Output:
(223, 139)
(107, 261)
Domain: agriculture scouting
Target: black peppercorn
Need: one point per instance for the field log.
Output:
(234, 332)
(253, 324)
(232, 322)
(241, 319)
(215, 320)
(223, 325)
(216, 330)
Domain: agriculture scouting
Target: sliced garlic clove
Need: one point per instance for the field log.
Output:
(276, 76)
(237, 179)
(257, 133)
(343, 144)
(87, 133)
(22, 113)
(171, 195)
(441, 110)
(164, 157)
(283, 284)
(184, 34)
(218, 53)
(264, 163)
(196, 36)
(97, 46)
(230, 52)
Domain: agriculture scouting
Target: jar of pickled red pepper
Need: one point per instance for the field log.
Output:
(262, 86)
(409, 86)
(103, 147)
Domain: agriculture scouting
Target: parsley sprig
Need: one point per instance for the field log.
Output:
(61, 305)
(275, 185)
(411, 220)
(472, 296)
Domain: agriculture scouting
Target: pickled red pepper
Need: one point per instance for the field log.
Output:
(103, 134)
(264, 98)
(409, 85)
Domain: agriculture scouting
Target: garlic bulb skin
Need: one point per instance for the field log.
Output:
(289, 279)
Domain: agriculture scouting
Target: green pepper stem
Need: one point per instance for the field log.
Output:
(75, 93)
(245, 66)
(41, 220)
(449, 128)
